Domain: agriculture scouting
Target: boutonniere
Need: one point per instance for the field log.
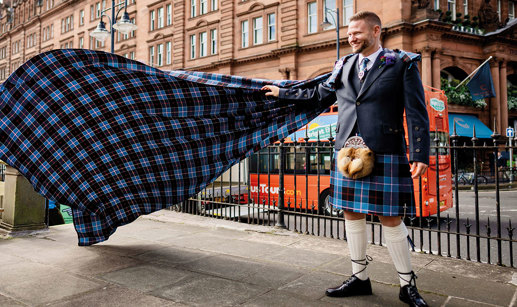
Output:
(388, 59)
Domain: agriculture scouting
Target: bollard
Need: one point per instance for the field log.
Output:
(24, 209)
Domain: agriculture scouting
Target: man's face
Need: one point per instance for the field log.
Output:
(362, 36)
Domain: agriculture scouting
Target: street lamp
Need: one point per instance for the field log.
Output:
(327, 24)
(125, 26)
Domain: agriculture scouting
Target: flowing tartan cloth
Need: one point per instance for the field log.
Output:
(116, 139)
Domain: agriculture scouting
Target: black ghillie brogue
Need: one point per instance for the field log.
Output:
(353, 286)
(409, 293)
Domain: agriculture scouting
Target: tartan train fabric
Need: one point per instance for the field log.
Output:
(388, 191)
(116, 139)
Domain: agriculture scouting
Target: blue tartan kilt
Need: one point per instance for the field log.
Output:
(388, 191)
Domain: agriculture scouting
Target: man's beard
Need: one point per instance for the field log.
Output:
(365, 45)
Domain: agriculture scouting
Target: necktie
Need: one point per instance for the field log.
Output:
(362, 71)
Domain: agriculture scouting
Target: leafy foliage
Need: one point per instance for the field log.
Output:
(461, 95)
(512, 97)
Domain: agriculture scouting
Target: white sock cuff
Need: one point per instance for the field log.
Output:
(355, 226)
(395, 234)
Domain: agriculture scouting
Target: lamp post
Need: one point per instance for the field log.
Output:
(327, 24)
(125, 26)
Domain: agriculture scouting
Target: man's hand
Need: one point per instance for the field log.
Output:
(271, 90)
(418, 169)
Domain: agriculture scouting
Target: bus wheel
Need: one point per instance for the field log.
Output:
(326, 208)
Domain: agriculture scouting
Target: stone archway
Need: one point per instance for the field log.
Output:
(453, 72)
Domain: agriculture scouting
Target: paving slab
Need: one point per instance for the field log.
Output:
(173, 255)
(38, 289)
(9, 302)
(115, 296)
(210, 291)
(246, 270)
(475, 289)
(300, 257)
(286, 299)
(145, 277)
(459, 302)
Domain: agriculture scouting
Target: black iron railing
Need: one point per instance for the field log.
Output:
(473, 229)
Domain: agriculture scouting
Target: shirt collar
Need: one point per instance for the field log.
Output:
(372, 57)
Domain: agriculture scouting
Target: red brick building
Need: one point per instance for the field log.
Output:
(276, 39)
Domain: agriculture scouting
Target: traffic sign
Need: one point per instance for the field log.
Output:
(510, 132)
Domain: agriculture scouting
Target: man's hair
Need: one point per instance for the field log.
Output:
(369, 17)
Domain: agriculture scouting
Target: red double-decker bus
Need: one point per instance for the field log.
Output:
(307, 172)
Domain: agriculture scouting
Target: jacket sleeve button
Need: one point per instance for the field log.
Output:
(417, 150)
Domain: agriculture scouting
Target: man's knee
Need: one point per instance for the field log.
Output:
(354, 215)
(390, 221)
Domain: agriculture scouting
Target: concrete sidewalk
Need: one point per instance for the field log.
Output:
(174, 259)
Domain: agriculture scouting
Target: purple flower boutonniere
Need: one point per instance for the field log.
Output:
(387, 59)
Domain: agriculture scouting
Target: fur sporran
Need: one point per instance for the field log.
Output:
(355, 160)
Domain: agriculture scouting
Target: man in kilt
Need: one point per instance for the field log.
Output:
(373, 86)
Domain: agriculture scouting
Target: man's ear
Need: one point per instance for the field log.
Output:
(377, 30)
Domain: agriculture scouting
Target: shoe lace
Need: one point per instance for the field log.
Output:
(363, 262)
(412, 279)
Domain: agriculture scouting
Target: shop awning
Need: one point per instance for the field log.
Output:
(465, 124)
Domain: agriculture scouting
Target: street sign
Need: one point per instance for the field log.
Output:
(510, 132)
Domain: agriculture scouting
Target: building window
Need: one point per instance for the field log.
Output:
(151, 55)
(151, 22)
(244, 36)
(160, 55)
(168, 52)
(193, 8)
(499, 9)
(132, 54)
(214, 5)
(511, 10)
(312, 16)
(133, 33)
(81, 17)
(92, 13)
(451, 6)
(193, 46)
(203, 7)
(81, 42)
(436, 4)
(329, 12)
(98, 10)
(202, 44)
(160, 17)
(465, 7)
(257, 31)
(169, 14)
(348, 10)
(271, 27)
(213, 41)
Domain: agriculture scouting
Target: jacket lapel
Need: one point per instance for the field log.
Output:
(373, 74)
(348, 66)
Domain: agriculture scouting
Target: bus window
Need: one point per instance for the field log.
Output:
(259, 161)
(297, 166)
(324, 161)
(443, 142)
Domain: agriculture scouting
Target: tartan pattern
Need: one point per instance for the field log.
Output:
(384, 192)
(114, 139)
